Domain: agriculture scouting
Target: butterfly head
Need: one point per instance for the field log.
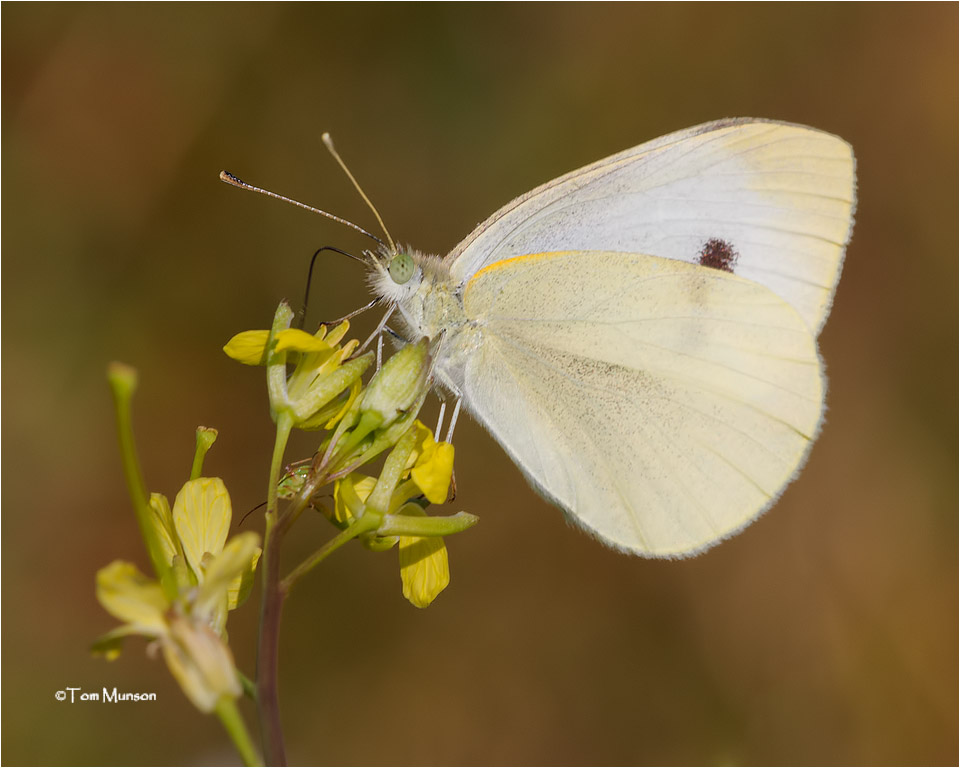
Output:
(396, 274)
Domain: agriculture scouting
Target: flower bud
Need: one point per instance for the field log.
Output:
(201, 662)
(399, 384)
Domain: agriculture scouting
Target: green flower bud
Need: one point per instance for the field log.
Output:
(399, 385)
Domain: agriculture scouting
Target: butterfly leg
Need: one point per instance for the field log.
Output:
(390, 332)
(378, 331)
(441, 393)
(453, 420)
(347, 316)
(452, 493)
(443, 410)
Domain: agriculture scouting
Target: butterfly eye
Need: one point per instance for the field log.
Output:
(401, 268)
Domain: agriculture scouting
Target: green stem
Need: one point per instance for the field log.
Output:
(284, 426)
(268, 656)
(123, 383)
(369, 522)
(249, 687)
(271, 603)
(237, 730)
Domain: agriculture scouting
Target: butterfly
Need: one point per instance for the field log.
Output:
(640, 335)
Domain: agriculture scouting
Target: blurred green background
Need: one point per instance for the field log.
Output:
(825, 633)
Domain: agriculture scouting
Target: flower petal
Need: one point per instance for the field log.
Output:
(433, 470)
(132, 597)
(248, 347)
(162, 521)
(424, 441)
(238, 556)
(349, 496)
(295, 340)
(424, 568)
(242, 584)
(201, 515)
(337, 334)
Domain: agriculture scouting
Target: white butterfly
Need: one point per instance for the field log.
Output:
(640, 334)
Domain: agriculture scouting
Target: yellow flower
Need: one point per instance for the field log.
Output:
(200, 661)
(325, 381)
(424, 566)
(250, 347)
(196, 530)
(432, 467)
(349, 496)
(198, 656)
(134, 599)
(382, 416)
(213, 576)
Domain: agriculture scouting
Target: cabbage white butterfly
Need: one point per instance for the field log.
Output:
(640, 334)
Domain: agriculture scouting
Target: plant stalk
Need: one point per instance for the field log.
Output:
(233, 723)
(271, 604)
(268, 656)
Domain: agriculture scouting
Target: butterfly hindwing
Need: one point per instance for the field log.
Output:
(663, 405)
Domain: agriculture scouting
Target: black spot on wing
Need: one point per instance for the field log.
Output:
(718, 254)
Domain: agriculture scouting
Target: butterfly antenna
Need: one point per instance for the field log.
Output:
(328, 142)
(229, 178)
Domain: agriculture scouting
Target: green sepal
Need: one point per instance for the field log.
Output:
(406, 524)
(378, 543)
(329, 387)
(206, 437)
(277, 361)
(399, 384)
(321, 418)
(393, 467)
(110, 645)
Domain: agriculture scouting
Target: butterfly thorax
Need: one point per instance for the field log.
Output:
(429, 302)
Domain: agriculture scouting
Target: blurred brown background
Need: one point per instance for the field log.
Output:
(825, 633)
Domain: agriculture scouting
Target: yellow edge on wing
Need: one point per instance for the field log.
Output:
(515, 260)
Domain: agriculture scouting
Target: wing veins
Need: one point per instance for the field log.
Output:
(631, 512)
(617, 323)
(671, 377)
(738, 470)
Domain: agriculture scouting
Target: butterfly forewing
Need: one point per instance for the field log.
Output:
(776, 199)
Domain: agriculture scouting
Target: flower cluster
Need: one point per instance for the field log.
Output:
(325, 380)
(385, 511)
(313, 383)
(185, 609)
(417, 472)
